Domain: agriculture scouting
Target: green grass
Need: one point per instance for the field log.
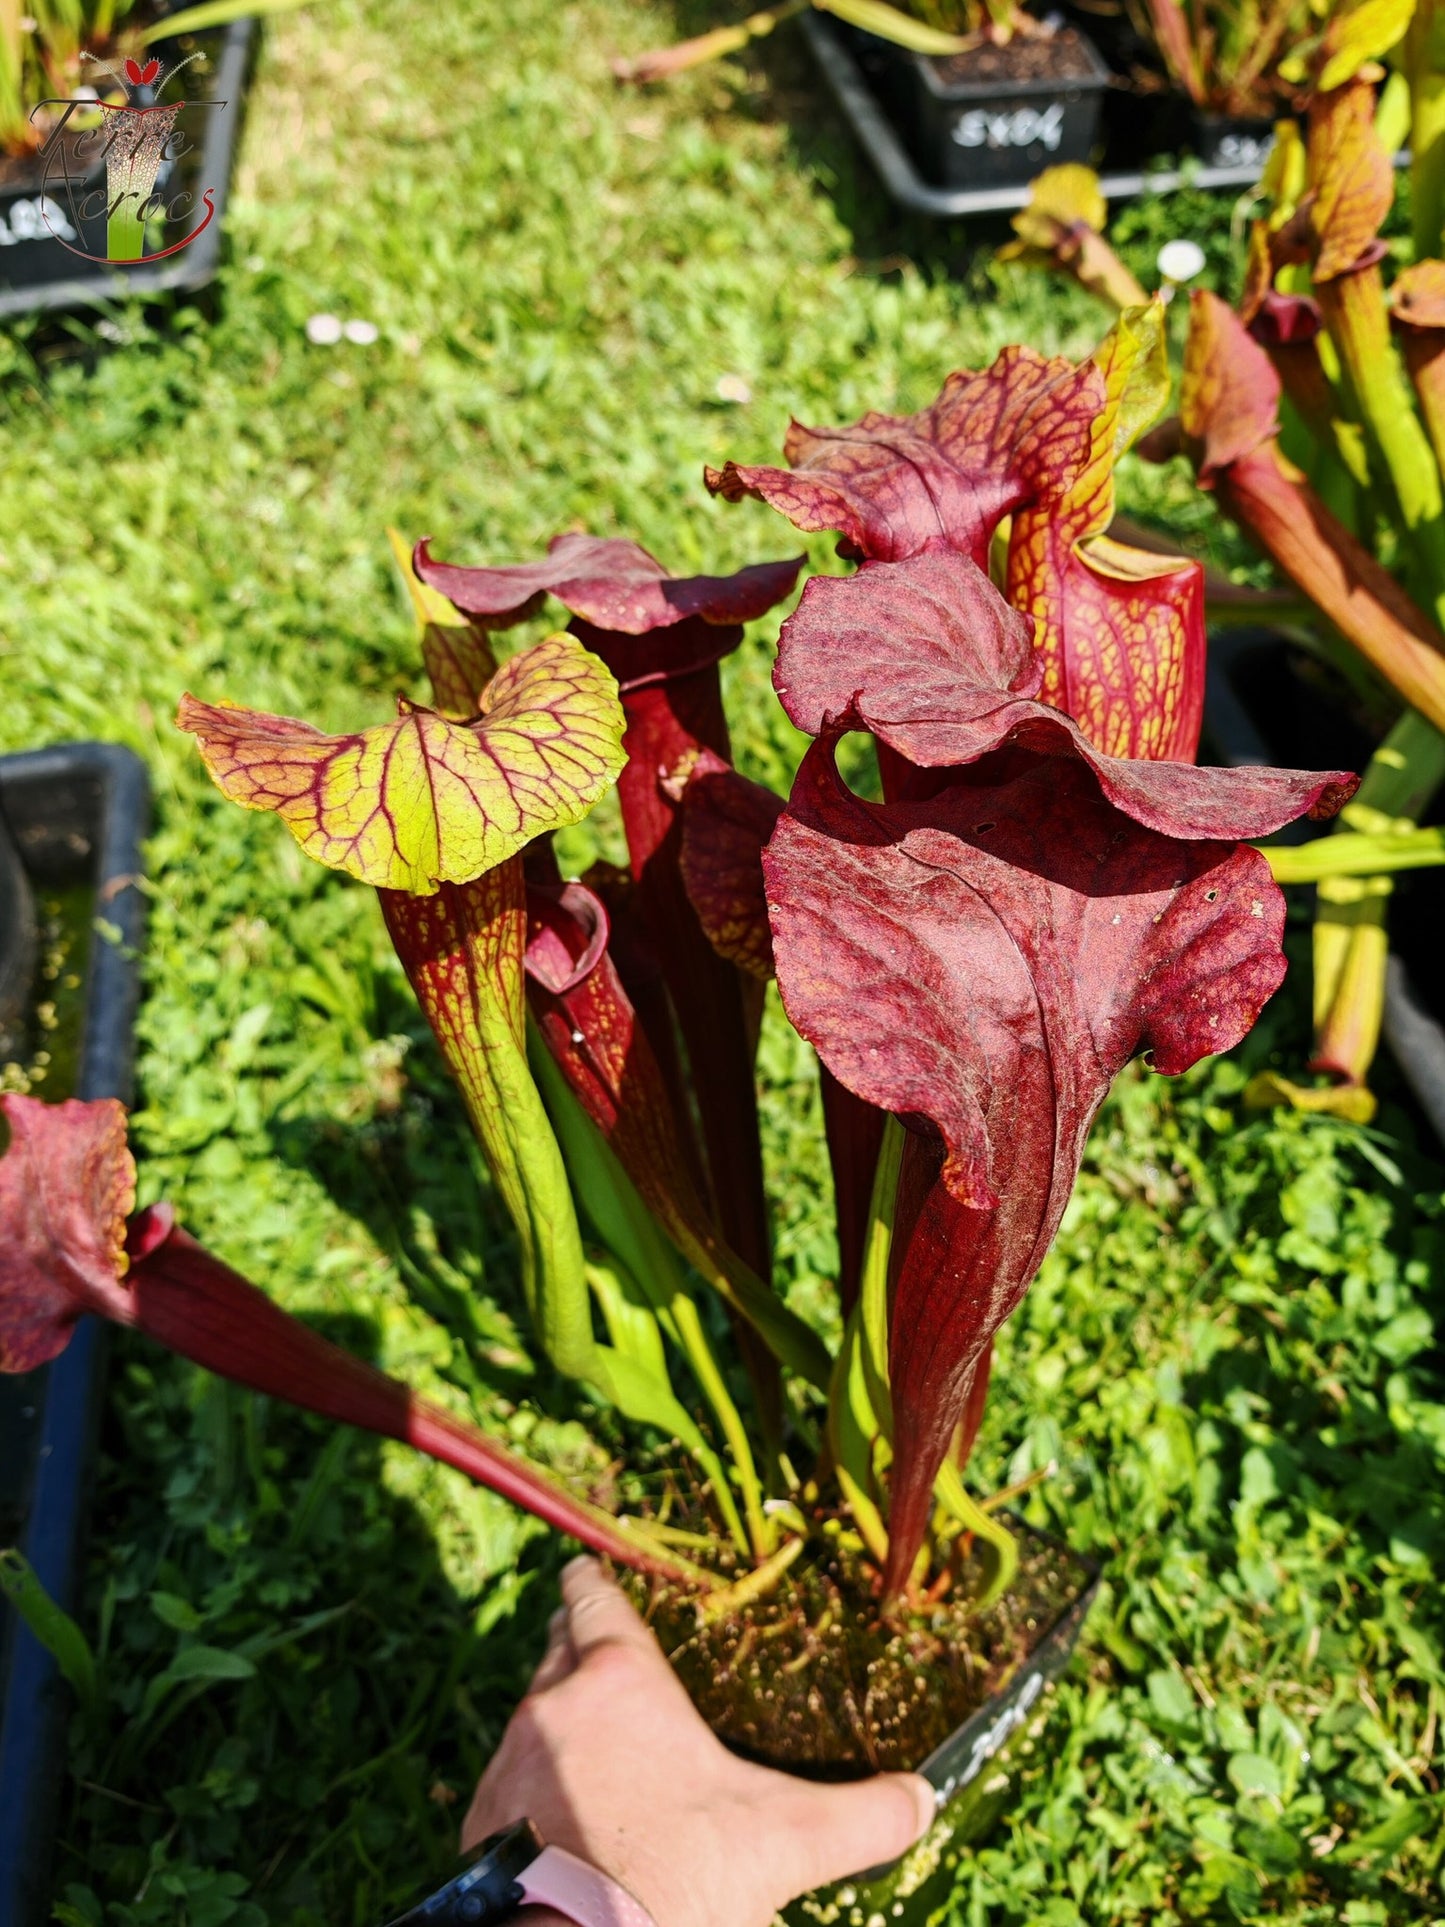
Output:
(1231, 1354)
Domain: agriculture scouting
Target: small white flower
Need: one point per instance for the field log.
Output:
(324, 329)
(732, 388)
(1180, 261)
(363, 333)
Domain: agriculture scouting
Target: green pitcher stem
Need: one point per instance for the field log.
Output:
(1403, 775)
(873, 1281)
(627, 1228)
(462, 950)
(1351, 853)
(637, 1385)
(1002, 1551)
(1355, 313)
(860, 1409)
(1349, 938)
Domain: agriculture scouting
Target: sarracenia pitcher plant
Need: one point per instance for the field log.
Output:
(1046, 888)
(1315, 413)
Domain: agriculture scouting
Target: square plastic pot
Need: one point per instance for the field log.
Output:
(969, 1787)
(869, 93)
(1000, 133)
(1231, 140)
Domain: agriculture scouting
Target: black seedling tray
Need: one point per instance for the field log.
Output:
(880, 141)
(867, 114)
(77, 815)
(969, 1748)
(38, 273)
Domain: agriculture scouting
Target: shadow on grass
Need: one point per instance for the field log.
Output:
(426, 1202)
(782, 86)
(316, 1752)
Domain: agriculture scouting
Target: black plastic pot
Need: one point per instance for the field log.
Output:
(968, 1799)
(39, 271)
(998, 133)
(77, 815)
(1258, 710)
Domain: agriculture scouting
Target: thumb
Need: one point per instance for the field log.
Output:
(599, 1612)
(864, 1823)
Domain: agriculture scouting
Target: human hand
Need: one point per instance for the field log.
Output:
(611, 1760)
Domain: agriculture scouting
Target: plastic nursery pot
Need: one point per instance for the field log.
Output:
(811, 1679)
(970, 1775)
(75, 816)
(52, 205)
(1266, 702)
(1231, 140)
(997, 115)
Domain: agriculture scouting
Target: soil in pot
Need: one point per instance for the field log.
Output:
(812, 1680)
(1048, 59)
(40, 1046)
(40, 1054)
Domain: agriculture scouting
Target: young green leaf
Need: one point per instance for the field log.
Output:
(55, 1630)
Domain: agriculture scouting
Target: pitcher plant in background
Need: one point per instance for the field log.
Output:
(936, 27)
(1227, 55)
(1046, 888)
(1315, 413)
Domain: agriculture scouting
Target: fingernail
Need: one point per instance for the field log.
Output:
(584, 1562)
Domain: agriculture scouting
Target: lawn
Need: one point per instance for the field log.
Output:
(309, 1642)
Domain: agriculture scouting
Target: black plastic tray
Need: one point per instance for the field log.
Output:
(1415, 1036)
(78, 812)
(879, 140)
(29, 280)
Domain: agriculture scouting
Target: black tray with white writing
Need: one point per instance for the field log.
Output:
(882, 140)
